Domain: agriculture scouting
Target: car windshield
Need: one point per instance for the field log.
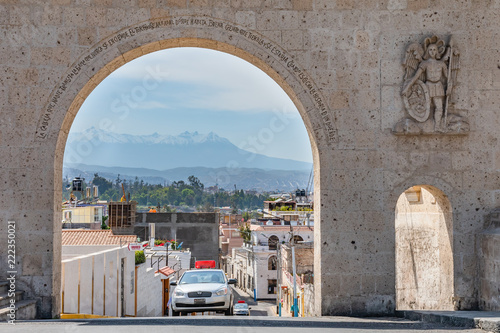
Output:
(240, 306)
(202, 277)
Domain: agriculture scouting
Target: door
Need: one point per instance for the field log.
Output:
(166, 296)
(122, 288)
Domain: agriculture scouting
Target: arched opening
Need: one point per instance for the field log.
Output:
(424, 254)
(272, 263)
(297, 238)
(244, 281)
(273, 242)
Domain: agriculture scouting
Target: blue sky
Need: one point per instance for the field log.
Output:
(194, 89)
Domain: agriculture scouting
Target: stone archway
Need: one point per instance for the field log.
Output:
(134, 41)
(339, 63)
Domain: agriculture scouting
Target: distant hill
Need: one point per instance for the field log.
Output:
(166, 152)
(244, 178)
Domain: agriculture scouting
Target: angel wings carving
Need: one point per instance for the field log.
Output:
(430, 76)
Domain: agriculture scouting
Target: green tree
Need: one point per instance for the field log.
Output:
(102, 183)
(104, 226)
(139, 257)
(188, 196)
(245, 233)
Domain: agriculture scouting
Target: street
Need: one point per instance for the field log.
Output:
(211, 324)
(259, 308)
(263, 321)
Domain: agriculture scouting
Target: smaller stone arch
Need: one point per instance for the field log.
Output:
(424, 250)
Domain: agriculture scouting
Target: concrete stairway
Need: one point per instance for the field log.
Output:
(25, 309)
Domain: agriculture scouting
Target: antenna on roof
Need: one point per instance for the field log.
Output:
(309, 182)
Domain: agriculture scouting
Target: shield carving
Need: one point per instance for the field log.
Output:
(417, 102)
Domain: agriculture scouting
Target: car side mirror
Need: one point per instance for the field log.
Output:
(173, 283)
(232, 281)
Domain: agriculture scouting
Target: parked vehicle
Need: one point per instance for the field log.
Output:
(203, 290)
(241, 309)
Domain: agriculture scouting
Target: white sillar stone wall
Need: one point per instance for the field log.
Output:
(308, 299)
(490, 271)
(91, 283)
(149, 291)
(489, 265)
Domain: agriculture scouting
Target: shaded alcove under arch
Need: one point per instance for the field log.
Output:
(424, 250)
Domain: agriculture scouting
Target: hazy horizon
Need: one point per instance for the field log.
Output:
(177, 135)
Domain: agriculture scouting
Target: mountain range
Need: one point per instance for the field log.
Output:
(162, 159)
(162, 152)
(244, 178)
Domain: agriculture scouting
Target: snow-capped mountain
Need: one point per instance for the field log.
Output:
(155, 138)
(162, 152)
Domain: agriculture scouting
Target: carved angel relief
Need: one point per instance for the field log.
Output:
(429, 81)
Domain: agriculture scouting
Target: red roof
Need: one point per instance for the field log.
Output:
(166, 271)
(94, 237)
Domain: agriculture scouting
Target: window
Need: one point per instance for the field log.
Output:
(272, 263)
(273, 242)
(67, 216)
(271, 286)
(97, 218)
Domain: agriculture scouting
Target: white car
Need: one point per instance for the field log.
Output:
(203, 290)
(241, 309)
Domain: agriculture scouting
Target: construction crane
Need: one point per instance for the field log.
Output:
(124, 198)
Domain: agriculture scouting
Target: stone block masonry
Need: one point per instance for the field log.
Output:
(340, 63)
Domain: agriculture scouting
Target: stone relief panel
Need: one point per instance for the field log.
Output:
(430, 77)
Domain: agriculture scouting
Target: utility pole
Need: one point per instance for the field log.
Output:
(254, 275)
(279, 278)
(294, 283)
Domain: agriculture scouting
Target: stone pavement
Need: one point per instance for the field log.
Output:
(487, 321)
(213, 324)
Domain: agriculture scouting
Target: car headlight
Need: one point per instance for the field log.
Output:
(179, 292)
(221, 292)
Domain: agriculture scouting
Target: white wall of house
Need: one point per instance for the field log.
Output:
(71, 251)
(149, 291)
(91, 283)
(264, 274)
(244, 260)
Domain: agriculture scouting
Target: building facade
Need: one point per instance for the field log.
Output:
(257, 264)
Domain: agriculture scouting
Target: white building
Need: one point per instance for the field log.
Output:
(100, 277)
(88, 214)
(256, 265)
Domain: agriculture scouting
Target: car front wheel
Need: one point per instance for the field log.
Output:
(229, 311)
